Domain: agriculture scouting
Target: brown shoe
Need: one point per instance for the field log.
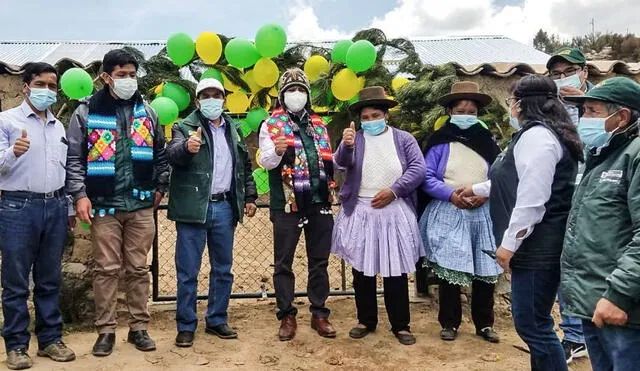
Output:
(288, 327)
(323, 326)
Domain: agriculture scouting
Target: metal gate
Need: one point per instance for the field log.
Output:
(252, 263)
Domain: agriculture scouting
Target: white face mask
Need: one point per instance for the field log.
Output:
(125, 88)
(295, 101)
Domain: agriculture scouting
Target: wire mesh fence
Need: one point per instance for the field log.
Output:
(252, 263)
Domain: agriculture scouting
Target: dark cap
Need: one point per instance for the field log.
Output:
(571, 55)
(619, 90)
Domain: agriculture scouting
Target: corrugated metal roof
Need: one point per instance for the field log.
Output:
(465, 50)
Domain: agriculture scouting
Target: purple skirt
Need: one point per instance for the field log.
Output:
(378, 241)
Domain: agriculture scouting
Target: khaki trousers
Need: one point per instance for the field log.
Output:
(122, 241)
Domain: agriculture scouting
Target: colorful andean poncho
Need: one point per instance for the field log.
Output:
(296, 179)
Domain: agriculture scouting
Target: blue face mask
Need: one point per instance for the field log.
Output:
(464, 121)
(571, 81)
(42, 99)
(592, 131)
(211, 108)
(374, 127)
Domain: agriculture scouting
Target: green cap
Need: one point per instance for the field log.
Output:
(571, 55)
(620, 90)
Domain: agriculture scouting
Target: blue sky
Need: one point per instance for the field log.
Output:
(307, 19)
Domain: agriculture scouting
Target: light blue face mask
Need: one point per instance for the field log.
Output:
(374, 127)
(592, 131)
(515, 124)
(464, 121)
(571, 81)
(211, 108)
(42, 99)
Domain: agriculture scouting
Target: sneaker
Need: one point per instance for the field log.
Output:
(58, 352)
(449, 334)
(488, 334)
(18, 359)
(574, 350)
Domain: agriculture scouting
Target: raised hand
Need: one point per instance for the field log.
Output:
(21, 146)
(194, 141)
(349, 135)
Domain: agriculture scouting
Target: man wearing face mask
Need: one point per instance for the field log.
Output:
(294, 147)
(211, 188)
(567, 68)
(601, 256)
(33, 218)
(117, 173)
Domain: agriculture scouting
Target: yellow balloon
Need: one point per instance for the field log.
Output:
(362, 81)
(440, 122)
(158, 89)
(320, 109)
(314, 66)
(228, 85)
(274, 92)
(258, 159)
(237, 102)
(249, 78)
(345, 85)
(267, 106)
(209, 47)
(265, 72)
(167, 132)
(398, 82)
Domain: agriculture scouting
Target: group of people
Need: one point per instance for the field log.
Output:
(530, 210)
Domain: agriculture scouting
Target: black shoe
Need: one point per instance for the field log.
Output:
(141, 340)
(406, 338)
(489, 335)
(104, 345)
(184, 339)
(449, 334)
(573, 350)
(222, 331)
(359, 332)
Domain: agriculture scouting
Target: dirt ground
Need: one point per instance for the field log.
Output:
(259, 349)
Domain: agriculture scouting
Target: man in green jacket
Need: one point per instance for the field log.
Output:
(117, 172)
(211, 187)
(601, 257)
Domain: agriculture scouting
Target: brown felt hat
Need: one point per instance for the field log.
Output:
(465, 90)
(372, 96)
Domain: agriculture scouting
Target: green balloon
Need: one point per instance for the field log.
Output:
(212, 73)
(361, 56)
(76, 83)
(241, 53)
(166, 109)
(181, 48)
(271, 40)
(255, 117)
(261, 177)
(177, 94)
(339, 52)
(244, 128)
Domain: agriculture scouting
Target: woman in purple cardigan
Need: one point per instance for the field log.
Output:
(376, 231)
(457, 231)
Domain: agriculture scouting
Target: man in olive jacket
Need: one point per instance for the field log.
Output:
(211, 187)
(601, 257)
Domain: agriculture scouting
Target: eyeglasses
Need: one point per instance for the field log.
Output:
(566, 73)
(508, 101)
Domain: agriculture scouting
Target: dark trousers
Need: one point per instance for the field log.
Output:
(317, 235)
(217, 234)
(450, 313)
(612, 348)
(533, 293)
(396, 300)
(32, 236)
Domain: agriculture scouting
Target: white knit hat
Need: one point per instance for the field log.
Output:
(209, 83)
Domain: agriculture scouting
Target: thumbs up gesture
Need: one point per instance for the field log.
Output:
(22, 144)
(349, 135)
(281, 143)
(194, 141)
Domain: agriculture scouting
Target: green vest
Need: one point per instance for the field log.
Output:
(190, 187)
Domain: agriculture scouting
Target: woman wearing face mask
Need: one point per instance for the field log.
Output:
(456, 230)
(530, 191)
(376, 231)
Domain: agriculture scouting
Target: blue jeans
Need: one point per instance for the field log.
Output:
(32, 235)
(533, 292)
(571, 326)
(217, 233)
(612, 347)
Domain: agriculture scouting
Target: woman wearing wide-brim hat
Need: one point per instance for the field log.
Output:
(456, 230)
(376, 231)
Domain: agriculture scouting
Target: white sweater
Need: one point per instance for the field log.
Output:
(381, 165)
